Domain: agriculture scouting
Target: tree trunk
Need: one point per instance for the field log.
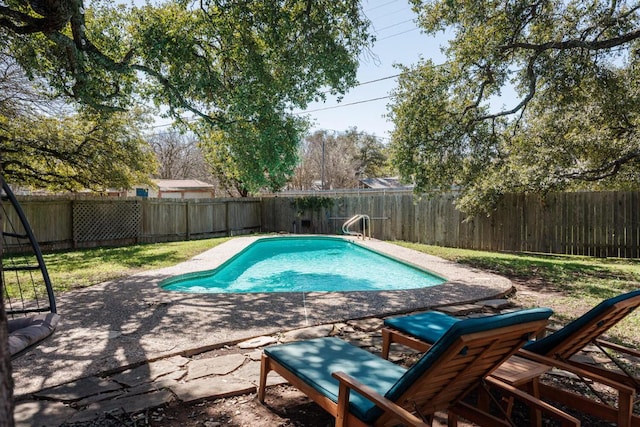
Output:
(6, 381)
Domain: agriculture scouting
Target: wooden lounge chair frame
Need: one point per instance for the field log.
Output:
(444, 375)
(583, 331)
(601, 318)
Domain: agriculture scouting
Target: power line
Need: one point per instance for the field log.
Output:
(377, 30)
(395, 12)
(369, 81)
(378, 80)
(381, 5)
(397, 34)
(343, 105)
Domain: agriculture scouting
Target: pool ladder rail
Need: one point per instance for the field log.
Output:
(366, 226)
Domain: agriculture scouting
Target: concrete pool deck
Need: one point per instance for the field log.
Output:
(127, 322)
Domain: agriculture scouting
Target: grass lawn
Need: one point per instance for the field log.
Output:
(570, 285)
(81, 268)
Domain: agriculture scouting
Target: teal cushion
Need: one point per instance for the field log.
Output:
(315, 360)
(463, 327)
(428, 327)
(547, 344)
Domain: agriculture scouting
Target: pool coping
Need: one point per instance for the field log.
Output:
(127, 322)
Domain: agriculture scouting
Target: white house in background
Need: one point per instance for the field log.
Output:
(174, 189)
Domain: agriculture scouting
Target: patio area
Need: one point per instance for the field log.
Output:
(132, 323)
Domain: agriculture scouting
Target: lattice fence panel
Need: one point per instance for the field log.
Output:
(106, 220)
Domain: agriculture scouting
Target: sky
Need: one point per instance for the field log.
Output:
(399, 41)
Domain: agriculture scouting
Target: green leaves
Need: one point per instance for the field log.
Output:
(571, 123)
(75, 152)
(256, 155)
(311, 203)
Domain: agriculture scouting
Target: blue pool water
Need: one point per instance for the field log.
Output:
(304, 264)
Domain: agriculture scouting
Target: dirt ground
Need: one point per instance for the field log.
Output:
(286, 406)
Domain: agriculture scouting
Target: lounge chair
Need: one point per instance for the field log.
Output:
(420, 331)
(359, 388)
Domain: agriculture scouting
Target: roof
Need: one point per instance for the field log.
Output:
(182, 184)
(381, 183)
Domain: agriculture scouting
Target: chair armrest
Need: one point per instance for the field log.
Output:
(566, 419)
(575, 370)
(347, 382)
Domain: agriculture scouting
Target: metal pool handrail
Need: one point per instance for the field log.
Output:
(366, 226)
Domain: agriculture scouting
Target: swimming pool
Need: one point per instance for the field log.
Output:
(304, 264)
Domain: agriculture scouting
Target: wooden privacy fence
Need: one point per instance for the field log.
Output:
(63, 222)
(603, 224)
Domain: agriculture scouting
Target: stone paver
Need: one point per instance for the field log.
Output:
(221, 365)
(255, 355)
(496, 304)
(78, 389)
(367, 325)
(128, 405)
(257, 342)
(98, 398)
(307, 333)
(214, 388)
(460, 310)
(145, 373)
(250, 372)
(173, 376)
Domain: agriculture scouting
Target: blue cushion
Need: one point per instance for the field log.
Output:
(428, 327)
(463, 327)
(548, 343)
(315, 360)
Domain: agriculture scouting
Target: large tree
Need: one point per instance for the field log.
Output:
(230, 64)
(572, 121)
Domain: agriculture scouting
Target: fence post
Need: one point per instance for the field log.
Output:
(188, 219)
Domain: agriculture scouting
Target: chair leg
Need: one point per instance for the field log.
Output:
(452, 419)
(536, 414)
(625, 409)
(386, 343)
(343, 405)
(264, 370)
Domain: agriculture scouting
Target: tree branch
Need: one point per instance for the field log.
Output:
(176, 94)
(22, 23)
(606, 170)
(532, 78)
(574, 44)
